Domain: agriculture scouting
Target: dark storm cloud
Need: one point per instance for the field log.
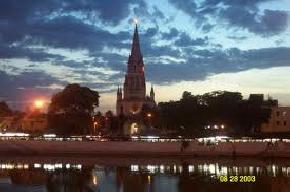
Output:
(243, 14)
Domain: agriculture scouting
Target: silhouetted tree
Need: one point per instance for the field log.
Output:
(70, 110)
(4, 109)
(190, 114)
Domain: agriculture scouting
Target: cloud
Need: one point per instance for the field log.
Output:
(9, 52)
(244, 14)
(188, 6)
(237, 37)
(173, 33)
(109, 11)
(185, 40)
(72, 33)
(95, 31)
(18, 87)
(267, 24)
(202, 63)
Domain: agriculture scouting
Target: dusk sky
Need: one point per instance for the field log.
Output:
(187, 45)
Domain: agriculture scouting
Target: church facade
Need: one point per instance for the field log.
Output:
(132, 96)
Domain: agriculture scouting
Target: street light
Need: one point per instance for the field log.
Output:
(149, 120)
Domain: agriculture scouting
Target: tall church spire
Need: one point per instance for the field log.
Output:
(136, 51)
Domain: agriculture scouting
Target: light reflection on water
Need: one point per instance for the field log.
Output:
(181, 175)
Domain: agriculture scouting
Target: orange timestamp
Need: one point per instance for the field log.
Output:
(237, 179)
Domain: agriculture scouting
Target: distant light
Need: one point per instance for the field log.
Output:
(49, 135)
(37, 165)
(222, 126)
(7, 134)
(149, 115)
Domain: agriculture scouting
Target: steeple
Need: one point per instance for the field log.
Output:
(152, 94)
(119, 93)
(136, 51)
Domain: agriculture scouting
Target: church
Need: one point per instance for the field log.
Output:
(132, 97)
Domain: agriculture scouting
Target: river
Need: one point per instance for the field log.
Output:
(121, 174)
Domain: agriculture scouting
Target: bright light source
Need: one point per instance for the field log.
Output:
(149, 115)
(222, 126)
(49, 135)
(135, 21)
(38, 104)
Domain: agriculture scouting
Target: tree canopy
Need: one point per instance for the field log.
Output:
(74, 99)
(192, 113)
(70, 110)
(4, 109)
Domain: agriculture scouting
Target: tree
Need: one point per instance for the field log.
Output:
(4, 109)
(190, 114)
(70, 110)
(254, 112)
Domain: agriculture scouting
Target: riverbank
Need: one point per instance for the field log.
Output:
(146, 149)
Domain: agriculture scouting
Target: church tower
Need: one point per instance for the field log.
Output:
(134, 86)
(132, 97)
(131, 100)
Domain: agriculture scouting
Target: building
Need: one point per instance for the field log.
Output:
(132, 97)
(29, 123)
(34, 123)
(279, 121)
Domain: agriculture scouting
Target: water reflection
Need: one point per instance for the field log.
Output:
(178, 175)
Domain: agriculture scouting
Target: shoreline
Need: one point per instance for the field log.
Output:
(141, 149)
